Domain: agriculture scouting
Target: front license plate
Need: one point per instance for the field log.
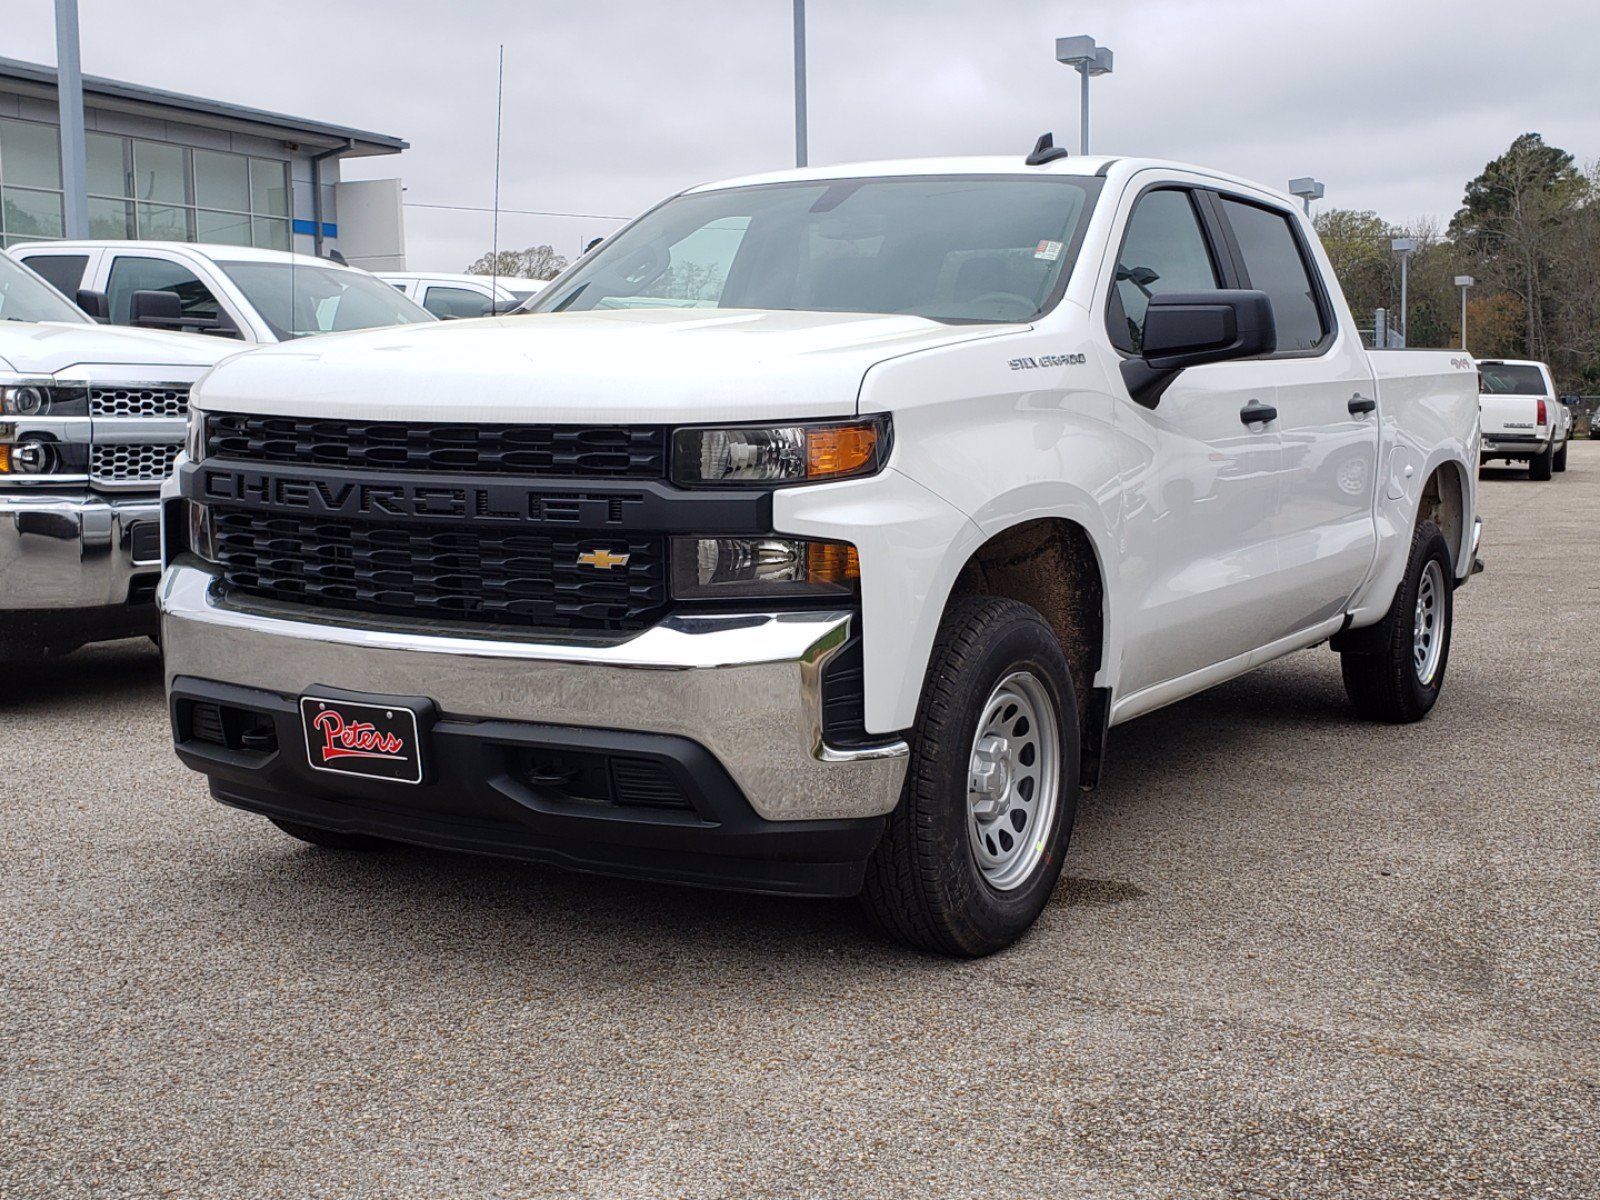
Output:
(374, 741)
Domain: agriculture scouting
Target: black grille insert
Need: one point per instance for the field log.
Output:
(533, 451)
(481, 575)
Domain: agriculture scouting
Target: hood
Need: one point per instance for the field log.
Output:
(48, 348)
(645, 365)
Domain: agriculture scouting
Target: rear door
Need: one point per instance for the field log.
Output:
(1327, 418)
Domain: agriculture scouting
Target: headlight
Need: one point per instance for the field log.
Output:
(756, 567)
(767, 454)
(32, 457)
(26, 400)
(194, 437)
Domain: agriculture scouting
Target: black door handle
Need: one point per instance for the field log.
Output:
(1361, 404)
(1257, 411)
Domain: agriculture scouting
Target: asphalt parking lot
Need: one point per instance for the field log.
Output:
(1292, 955)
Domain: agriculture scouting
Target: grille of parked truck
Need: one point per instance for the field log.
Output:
(811, 534)
(91, 420)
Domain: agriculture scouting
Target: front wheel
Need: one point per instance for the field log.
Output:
(1397, 672)
(974, 849)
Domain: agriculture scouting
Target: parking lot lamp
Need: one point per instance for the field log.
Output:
(1464, 282)
(1405, 248)
(1087, 59)
(1308, 189)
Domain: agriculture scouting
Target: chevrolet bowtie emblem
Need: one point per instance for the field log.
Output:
(603, 560)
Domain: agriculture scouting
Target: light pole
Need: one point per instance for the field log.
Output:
(800, 155)
(1087, 59)
(1405, 248)
(1308, 189)
(1464, 282)
(69, 100)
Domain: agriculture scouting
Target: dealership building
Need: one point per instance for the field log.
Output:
(172, 167)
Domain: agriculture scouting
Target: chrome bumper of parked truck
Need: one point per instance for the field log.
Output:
(748, 687)
(60, 551)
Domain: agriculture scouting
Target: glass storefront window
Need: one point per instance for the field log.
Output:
(163, 223)
(232, 229)
(158, 172)
(269, 188)
(221, 180)
(32, 214)
(110, 218)
(108, 164)
(271, 234)
(30, 154)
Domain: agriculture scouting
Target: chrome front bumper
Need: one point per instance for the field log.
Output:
(746, 687)
(73, 551)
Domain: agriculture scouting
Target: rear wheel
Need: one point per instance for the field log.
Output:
(1397, 672)
(330, 839)
(1559, 462)
(974, 849)
(1541, 464)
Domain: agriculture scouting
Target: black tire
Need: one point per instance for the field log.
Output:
(330, 839)
(1541, 464)
(924, 886)
(1380, 675)
(1559, 462)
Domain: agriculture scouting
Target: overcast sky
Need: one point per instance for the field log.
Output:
(612, 104)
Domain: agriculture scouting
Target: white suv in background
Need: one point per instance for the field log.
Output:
(231, 291)
(450, 296)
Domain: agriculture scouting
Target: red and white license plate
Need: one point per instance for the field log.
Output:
(373, 741)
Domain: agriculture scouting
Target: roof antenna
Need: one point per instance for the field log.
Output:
(1045, 150)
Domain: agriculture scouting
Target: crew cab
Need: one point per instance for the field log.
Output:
(1521, 417)
(237, 292)
(810, 534)
(450, 297)
(90, 422)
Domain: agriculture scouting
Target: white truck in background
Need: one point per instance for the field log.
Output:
(1523, 421)
(810, 535)
(453, 297)
(238, 292)
(91, 420)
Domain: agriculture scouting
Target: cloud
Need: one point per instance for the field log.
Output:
(612, 104)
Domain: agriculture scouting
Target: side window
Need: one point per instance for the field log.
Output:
(450, 302)
(1162, 251)
(1275, 265)
(130, 274)
(63, 271)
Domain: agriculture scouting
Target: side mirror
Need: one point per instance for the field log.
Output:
(96, 304)
(156, 310)
(1190, 329)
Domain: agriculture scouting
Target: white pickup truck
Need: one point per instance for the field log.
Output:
(809, 535)
(91, 420)
(1521, 417)
(240, 292)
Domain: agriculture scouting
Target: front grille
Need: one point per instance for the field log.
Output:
(138, 402)
(486, 576)
(555, 451)
(131, 463)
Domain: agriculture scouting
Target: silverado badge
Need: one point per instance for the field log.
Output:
(603, 560)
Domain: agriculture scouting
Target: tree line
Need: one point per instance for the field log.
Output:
(1528, 232)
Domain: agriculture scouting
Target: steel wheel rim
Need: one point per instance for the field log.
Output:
(1013, 780)
(1428, 625)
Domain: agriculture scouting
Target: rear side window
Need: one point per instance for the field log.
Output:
(1275, 265)
(63, 271)
(448, 302)
(1162, 251)
(130, 274)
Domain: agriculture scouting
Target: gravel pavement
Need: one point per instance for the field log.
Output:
(1292, 955)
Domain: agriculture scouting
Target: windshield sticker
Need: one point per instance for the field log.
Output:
(1049, 251)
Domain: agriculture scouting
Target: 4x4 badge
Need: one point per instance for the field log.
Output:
(603, 559)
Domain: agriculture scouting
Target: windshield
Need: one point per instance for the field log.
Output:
(965, 248)
(297, 300)
(26, 297)
(1511, 379)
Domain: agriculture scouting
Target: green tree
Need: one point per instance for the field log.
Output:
(536, 262)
